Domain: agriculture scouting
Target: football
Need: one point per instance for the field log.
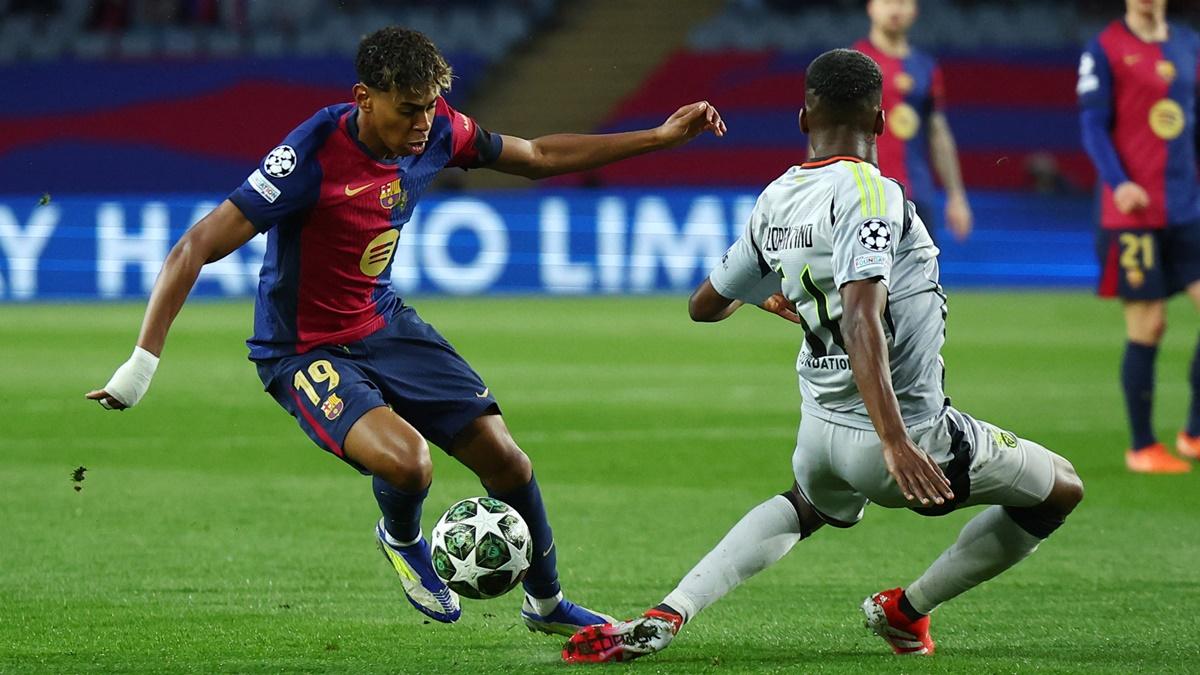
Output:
(481, 548)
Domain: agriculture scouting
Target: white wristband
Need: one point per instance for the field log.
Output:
(129, 384)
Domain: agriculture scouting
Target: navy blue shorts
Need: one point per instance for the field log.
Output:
(1143, 264)
(406, 365)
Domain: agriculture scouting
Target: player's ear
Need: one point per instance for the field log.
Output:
(804, 120)
(362, 96)
(878, 122)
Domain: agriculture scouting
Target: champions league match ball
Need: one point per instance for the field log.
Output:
(481, 548)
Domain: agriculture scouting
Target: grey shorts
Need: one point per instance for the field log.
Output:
(840, 468)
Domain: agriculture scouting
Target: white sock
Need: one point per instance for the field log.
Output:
(990, 543)
(760, 538)
(543, 606)
(396, 543)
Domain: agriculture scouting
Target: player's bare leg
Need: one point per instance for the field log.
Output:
(762, 537)
(398, 458)
(990, 543)
(1145, 324)
(487, 448)
(1187, 442)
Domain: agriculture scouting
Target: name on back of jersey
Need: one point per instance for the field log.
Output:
(783, 238)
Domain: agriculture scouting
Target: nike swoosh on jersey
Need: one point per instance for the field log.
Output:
(350, 192)
(482, 394)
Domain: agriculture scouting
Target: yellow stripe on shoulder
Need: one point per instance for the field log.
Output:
(862, 190)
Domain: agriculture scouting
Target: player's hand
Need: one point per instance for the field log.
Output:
(129, 384)
(1130, 197)
(689, 122)
(779, 304)
(959, 217)
(919, 477)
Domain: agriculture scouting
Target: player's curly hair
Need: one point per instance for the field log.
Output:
(845, 79)
(401, 59)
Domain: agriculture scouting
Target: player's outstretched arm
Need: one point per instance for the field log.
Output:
(557, 154)
(919, 477)
(217, 235)
(944, 153)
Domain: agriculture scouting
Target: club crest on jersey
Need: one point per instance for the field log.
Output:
(904, 82)
(393, 196)
(333, 407)
(1165, 70)
(875, 235)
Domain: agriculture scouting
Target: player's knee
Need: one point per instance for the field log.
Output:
(1148, 329)
(406, 466)
(1067, 492)
(511, 470)
(1069, 486)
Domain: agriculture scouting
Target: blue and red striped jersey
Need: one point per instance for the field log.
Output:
(333, 213)
(912, 91)
(1138, 114)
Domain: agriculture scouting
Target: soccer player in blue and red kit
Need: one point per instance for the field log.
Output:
(361, 373)
(1137, 94)
(916, 133)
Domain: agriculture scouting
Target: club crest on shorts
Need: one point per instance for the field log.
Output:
(1005, 438)
(875, 235)
(333, 407)
(393, 196)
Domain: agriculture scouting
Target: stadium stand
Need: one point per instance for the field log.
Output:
(153, 95)
(1009, 71)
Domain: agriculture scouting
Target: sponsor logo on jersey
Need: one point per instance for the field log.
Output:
(333, 407)
(1131, 59)
(1167, 119)
(904, 82)
(903, 121)
(875, 235)
(784, 238)
(280, 162)
(378, 254)
(1165, 70)
(265, 188)
(393, 196)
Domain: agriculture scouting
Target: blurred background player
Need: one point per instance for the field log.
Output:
(1137, 94)
(363, 375)
(834, 246)
(916, 133)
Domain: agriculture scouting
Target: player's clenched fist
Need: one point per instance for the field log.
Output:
(129, 384)
(689, 122)
(1130, 197)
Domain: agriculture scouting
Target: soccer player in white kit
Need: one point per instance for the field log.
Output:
(835, 247)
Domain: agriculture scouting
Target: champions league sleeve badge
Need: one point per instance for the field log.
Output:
(875, 235)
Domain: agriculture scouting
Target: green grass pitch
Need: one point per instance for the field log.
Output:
(209, 535)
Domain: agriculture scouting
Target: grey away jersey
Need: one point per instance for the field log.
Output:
(817, 227)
